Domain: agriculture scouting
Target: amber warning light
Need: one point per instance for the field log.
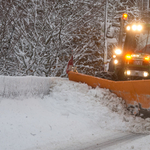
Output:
(124, 16)
(128, 56)
(147, 58)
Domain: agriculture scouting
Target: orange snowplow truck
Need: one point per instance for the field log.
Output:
(129, 69)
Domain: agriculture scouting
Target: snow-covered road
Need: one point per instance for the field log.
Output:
(68, 116)
(112, 142)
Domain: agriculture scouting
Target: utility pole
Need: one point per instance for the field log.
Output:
(105, 36)
(147, 5)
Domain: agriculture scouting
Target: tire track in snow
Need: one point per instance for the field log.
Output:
(115, 141)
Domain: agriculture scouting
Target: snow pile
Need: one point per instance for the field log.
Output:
(135, 124)
(117, 117)
(72, 116)
(24, 86)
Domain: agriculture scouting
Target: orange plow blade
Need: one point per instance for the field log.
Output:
(135, 93)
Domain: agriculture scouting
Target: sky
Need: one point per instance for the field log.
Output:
(39, 113)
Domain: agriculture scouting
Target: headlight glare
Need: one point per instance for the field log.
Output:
(118, 51)
(139, 27)
(128, 57)
(128, 72)
(147, 58)
(115, 61)
(134, 27)
(114, 56)
(145, 74)
(128, 28)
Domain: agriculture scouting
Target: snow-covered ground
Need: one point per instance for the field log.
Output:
(57, 114)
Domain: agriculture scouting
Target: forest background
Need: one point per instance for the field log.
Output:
(38, 37)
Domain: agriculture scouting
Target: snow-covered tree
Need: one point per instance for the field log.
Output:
(8, 62)
(38, 36)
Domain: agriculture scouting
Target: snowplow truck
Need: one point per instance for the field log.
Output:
(131, 60)
(129, 69)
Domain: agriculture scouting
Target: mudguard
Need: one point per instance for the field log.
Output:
(135, 93)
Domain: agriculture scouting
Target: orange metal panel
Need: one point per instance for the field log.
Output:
(133, 92)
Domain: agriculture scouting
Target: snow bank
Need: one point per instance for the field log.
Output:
(73, 116)
(119, 113)
(64, 89)
(24, 86)
(117, 117)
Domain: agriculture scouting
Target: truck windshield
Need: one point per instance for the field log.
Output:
(137, 42)
(143, 42)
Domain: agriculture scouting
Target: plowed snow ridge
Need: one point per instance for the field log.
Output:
(103, 97)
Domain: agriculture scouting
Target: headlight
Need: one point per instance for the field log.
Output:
(134, 27)
(128, 72)
(145, 74)
(128, 28)
(139, 27)
(115, 61)
(118, 51)
(114, 56)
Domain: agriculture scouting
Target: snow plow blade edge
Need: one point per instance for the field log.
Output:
(135, 93)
